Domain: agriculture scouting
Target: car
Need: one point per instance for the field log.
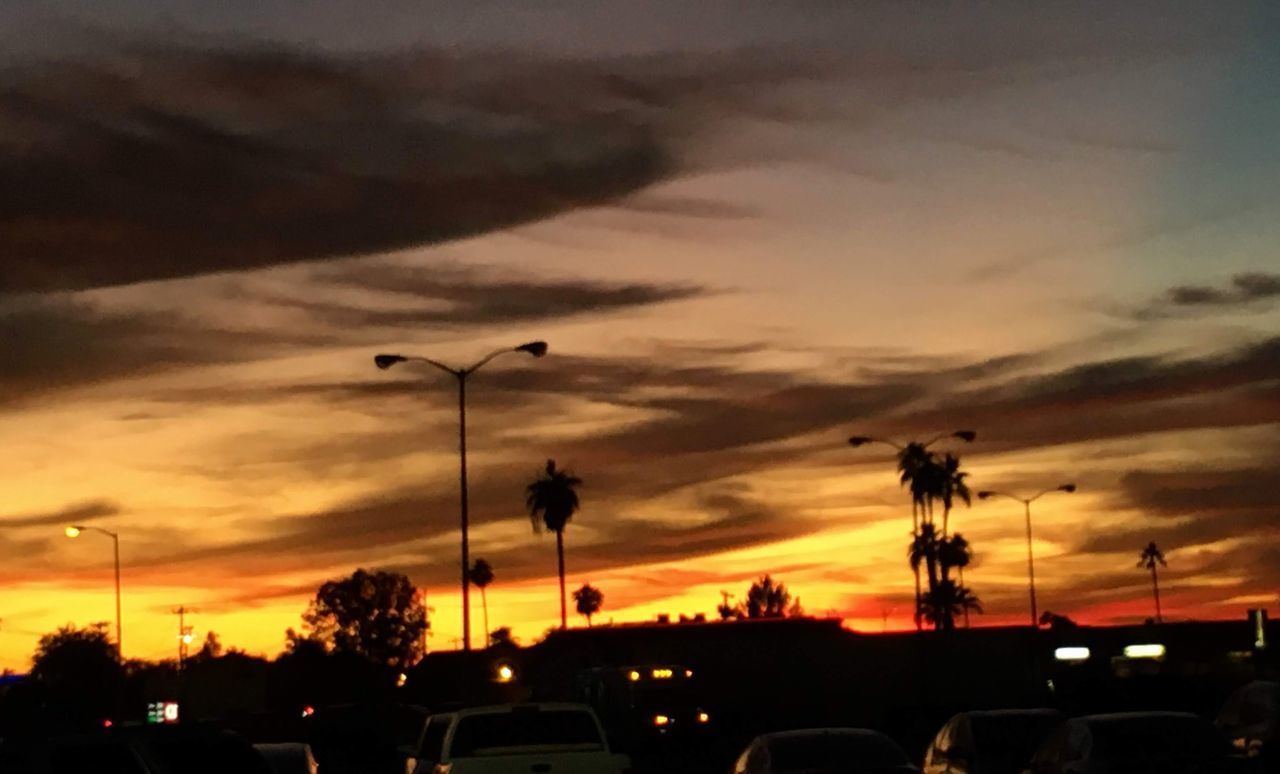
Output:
(989, 742)
(823, 751)
(288, 757)
(1134, 743)
(135, 750)
(364, 738)
(431, 748)
(1250, 719)
(550, 737)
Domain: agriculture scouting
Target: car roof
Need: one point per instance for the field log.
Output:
(1012, 713)
(798, 733)
(495, 709)
(1124, 717)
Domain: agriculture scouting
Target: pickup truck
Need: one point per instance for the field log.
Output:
(547, 738)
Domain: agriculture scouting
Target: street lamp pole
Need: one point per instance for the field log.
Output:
(75, 531)
(1031, 564)
(535, 348)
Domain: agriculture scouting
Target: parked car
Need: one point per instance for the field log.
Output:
(431, 749)
(989, 742)
(135, 750)
(364, 738)
(823, 751)
(548, 737)
(1250, 719)
(288, 758)
(1134, 743)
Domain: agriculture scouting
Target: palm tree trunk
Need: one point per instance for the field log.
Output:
(966, 607)
(1155, 589)
(915, 532)
(484, 604)
(564, 614)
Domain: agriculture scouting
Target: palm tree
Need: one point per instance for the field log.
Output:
(589, 600)
(481, 576)
(925, 547)
(956, 552)
(952, 486)
(913, 460)
(944, 603)
(552, 500)
(1150, 557)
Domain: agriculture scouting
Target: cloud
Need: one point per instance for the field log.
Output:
(1249, 290)
(153, 162)
(63, 341)
(72, 514)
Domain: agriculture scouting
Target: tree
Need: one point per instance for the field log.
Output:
(552, 499)
(211, 649)
(766, 599)
(378, 615)
(481, 576)
(956, 553)
(502, 637)
(1056, 622)
(948, 599)
(588, 600)
(81, 672)
(952, 486)
(1148, 559)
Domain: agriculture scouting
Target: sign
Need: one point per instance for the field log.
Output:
(162, 712)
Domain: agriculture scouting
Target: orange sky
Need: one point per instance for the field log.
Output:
(1056, 228)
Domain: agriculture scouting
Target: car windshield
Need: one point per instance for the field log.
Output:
(501, 731)
(1012, 738)
(433, 739)
(834, 752)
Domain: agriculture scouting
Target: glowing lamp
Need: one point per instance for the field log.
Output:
(401, 679)
(662, 674)
(506, 674)
(72, 532)
(1071, 653)
(308, 711)
(1152, 650)
(661, 721)
(634, 676)
(704, 717)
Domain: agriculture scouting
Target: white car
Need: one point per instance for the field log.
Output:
(824, 751)
(547, 738)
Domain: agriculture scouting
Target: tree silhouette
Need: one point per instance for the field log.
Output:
(80, 671)
(1148, 559)
(766, 599)
(952, 486)
(501, 637)
(942, 604)
(1055, 621)
(956, 553)
(588, 600)
(378, 615)
(481, 575)
(552, 499)
(724, 609)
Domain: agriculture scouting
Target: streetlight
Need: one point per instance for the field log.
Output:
(75, 531)
(862, 440)
(1031, 566)
(535, 348)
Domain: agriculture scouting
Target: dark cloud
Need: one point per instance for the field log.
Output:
(79, 513)
(1246, 290)
(155, 163)
(58, 342)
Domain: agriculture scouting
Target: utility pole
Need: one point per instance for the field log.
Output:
(185, 635)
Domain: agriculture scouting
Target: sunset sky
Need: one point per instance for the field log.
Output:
(747, 230)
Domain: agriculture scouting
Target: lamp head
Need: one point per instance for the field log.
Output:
(965, 435)
(72, 532)
(1068, 488)
(984, 494)
(859, 440)
(535, 348)
(386, 361)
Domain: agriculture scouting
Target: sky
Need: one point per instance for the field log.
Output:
(747, 231)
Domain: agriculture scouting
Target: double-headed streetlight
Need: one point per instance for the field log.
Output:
(862, 440)
(75, 531)
(1031, 565)
(535, 348)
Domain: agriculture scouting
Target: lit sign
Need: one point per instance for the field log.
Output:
(1071, 653)
(162, 712)
(1154, 650)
